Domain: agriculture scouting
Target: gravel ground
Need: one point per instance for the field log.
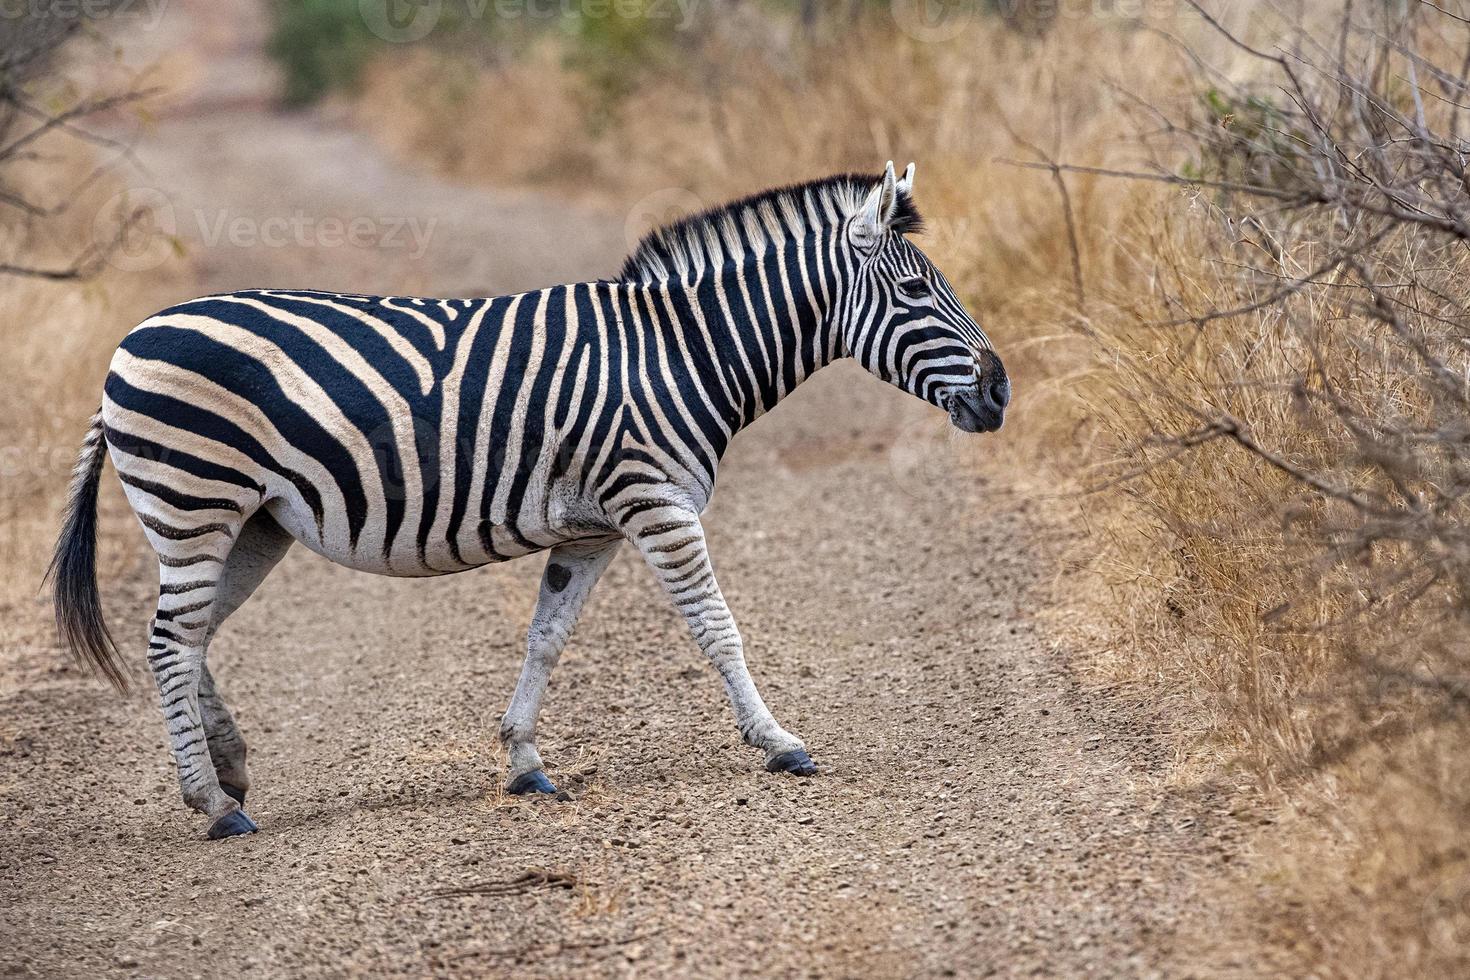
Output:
(978, 812)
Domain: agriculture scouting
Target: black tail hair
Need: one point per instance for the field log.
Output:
(73, 569)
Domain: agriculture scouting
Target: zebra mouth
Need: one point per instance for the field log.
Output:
(969, 411)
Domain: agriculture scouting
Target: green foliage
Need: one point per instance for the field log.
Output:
(321, 45)
(613, 52)
(1246, 139)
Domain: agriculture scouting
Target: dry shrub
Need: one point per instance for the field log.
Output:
(1290, 402)
(60, 331)
(470, 121)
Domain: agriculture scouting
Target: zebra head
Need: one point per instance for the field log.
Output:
(903, 322)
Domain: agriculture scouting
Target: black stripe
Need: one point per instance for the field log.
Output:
(253, 382)
(158, 453)
(173, 533)
(178, 500)
(348, 392)
(533, 429)
(612, 409)
(477, 369)
(517, 362)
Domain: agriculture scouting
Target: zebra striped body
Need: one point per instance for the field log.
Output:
(416, 437)
(407, 436)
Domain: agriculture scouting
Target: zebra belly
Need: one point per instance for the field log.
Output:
(480, 543)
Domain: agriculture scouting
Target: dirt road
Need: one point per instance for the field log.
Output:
(978, 812)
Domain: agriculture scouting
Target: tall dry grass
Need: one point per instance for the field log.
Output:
(1314, 656)
(1290, 402)
(59, 334)
(1302, 650)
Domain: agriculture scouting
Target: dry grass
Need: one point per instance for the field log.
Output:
(1221, 587)
(44, 408)
(468, 121)
(1287, 531)
(1309, 675)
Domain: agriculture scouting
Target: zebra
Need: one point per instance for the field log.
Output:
(413, 437)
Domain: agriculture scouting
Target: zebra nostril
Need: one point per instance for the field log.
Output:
(997, 395)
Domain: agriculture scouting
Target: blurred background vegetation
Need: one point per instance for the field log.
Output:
(324, 46)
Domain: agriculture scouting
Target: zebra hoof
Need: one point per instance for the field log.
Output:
(232, 824)
(234, 792)
(534, 781)
(796, 762)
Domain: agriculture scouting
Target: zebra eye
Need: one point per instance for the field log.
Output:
(915, 288)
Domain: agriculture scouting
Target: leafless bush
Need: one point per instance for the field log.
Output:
(38, 112)
(1336, 183)
(1286, 376)
(63, 214)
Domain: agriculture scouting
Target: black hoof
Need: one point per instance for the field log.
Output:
(232, 824)
(234, 792)
(534, 781)
(796, 762)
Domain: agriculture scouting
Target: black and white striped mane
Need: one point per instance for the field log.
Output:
(770, 217)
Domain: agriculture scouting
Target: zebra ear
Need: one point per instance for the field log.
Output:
(877, 211)
(906, 182)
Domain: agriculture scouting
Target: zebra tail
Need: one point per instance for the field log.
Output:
(73, 569)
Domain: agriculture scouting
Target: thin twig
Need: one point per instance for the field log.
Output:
(532, 878)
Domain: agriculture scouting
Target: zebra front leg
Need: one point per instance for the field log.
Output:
(571, 571)
(671, 540)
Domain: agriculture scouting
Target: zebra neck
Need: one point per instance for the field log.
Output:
(765, 324)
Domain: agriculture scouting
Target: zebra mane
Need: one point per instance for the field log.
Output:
(769, 218)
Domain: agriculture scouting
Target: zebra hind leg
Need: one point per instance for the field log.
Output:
(176, 649)
(571, 572)
(261, 545)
